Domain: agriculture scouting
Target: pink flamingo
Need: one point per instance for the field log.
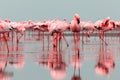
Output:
(4, 29)
(117, 26)
(74, 26)
(42, 26)
(56, 28)
(88, 27)
(103, 26)
(20, 27)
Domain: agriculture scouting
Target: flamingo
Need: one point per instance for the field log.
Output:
(117, 26)
(5, 27)
(103, 26)
(21, 27)
(74, 25)
(88, 27)
(56, 29)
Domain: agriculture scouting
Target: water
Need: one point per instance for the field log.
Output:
(28, 60)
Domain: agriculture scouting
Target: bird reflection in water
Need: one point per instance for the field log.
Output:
(105, 63)
(4, 75)
(17, 60)
(55, 63)
(76, 60)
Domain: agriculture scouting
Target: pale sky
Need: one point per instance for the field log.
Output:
(36, 10)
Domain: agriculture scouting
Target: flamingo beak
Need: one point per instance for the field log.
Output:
(78, 20)
(113, 25)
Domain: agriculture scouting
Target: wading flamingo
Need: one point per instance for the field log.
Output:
(20, 27)
(103, 26)
(56, 29)
(5, 28)
(75, 27)
(88, 27)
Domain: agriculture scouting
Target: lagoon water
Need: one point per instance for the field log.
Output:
(28, 60)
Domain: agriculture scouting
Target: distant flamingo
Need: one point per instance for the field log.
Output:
(88, 27)
(20, 27)
(4, 29)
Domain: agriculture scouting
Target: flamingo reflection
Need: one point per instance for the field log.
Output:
(17, 60)
(3, 64)
(105, 63)
(55, 63)
(76, 60)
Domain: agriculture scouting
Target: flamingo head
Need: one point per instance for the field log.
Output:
(77, 17)
(107, 20)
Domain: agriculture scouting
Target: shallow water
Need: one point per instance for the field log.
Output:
(28, 60)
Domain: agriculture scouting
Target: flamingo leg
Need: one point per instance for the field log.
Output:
(82, 37)
(48, 42)
(18, 39)
(102, 38)
(5, 39)
(43, 41)
(59, 41)
(65, 40)
(55, 42)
